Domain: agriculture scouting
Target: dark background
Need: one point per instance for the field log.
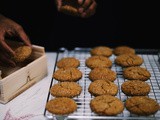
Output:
(116, 22)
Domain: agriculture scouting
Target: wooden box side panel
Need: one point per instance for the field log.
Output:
(38, 69)
(23, 78)
(13, 82)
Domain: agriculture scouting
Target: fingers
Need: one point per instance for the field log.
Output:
(86, 4)
(80, 2)
(88, 7)
(22, 35)
(59, 4)
(6, 47)
(90, 11)
(5, 59)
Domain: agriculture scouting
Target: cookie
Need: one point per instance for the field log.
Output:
(68, 62)
(106, 105)
(135, 88)
(67, 74)
(142, 105)
(66, 89)
(70, 7)
(101, 51)
(103, 87)
(102, 73)
(128, 60)
(136, 73)
(123, 50)
(61, 106)
(98, 61)
(22, 53)
(69, 10)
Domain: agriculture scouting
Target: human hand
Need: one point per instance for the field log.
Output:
(86, 8)
(9, 28)
(58, 4)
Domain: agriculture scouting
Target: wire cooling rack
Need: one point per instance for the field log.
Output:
(151, 63)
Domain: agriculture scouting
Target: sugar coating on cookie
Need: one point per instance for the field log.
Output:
(102, 73)
(123, 50)
(142, 105)
(103, 87)
(61, 106)
(68, 62)
(66, 89)
(128, 60)
(22, 53)
(137, 72)
(67, 74)
(135, 88)
(106, 105)
(98, 61)
(101, 51)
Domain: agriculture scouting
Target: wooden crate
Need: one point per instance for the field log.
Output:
(16, 80)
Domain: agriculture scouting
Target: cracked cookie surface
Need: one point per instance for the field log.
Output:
(67, 74)
(128, 60)
(137, 72)
(22, 53)
(101, 51)
(106, 105)
(135, 88)
(66, 89)
(98, 61)
(102, 73)
(142, 105)
(61, 106)
(103, 87)
(123, 50)
(68, 62)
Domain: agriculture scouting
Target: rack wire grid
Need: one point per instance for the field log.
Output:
(151, 63)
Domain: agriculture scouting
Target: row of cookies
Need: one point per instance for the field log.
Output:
(126, 57)
(132, 71)
(135, 87)
(102, 86)
(67, 88)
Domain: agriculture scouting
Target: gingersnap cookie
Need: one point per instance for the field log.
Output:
(128, 60)
(61, 106)
(106, 105)
(123, 50)
(142, 105)
(70, 7)
(102, 73)
(66, 89)
(22, 53)
(68, 62)
(69, 10)
(67, 74)
(98, 61)
(135, 88)
(101, 51)
(103, 87)
(137, 72)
